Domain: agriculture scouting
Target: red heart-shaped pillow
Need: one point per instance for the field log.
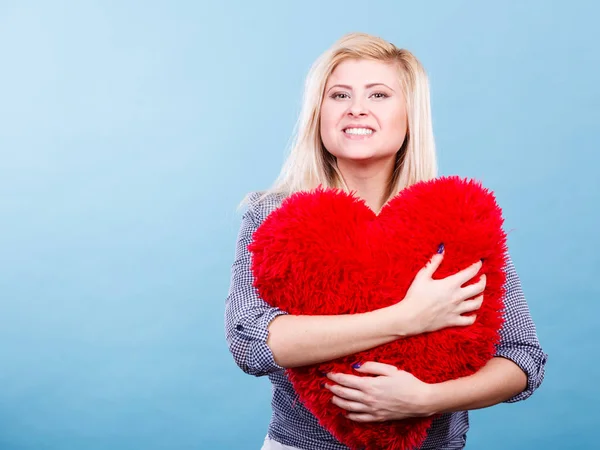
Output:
(326, 252)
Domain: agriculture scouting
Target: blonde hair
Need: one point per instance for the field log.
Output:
(310, 165)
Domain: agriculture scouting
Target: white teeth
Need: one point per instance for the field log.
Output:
(359, 131)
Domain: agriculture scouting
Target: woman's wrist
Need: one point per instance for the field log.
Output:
(397, 321)
(430, 398)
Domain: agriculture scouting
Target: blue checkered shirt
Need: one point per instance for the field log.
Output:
(247, 318)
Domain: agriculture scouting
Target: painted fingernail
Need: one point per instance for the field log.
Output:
(323, 374)
(357, 365)
(440, 248)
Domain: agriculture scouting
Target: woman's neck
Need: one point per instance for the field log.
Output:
(369, 180)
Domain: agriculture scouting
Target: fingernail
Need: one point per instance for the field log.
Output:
(440, 248)
(357, 365)
(323, 374)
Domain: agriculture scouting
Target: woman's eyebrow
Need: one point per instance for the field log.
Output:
(368, 86)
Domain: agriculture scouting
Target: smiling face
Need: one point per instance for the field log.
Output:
(363, 115)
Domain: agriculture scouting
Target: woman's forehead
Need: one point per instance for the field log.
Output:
(359, 73)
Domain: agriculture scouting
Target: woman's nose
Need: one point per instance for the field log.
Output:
(357, 108)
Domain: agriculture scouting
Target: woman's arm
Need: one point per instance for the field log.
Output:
(429, 305)
(498, 381)
(301, 340)
(393, 394)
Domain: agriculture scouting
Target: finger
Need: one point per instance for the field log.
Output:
(375, 368)
(474, 289)
(470, 305)
(467, 274)
(433, 264)
(463, 321)
(350, 406)
(350, 381)
(365, 417)
(346, 393)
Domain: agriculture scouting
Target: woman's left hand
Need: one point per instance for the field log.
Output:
(391, 394)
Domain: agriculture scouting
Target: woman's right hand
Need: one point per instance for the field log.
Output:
(430, 305)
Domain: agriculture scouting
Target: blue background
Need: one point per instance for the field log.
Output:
(129, 132)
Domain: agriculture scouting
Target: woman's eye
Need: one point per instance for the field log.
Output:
(380, 95)
(339, 95)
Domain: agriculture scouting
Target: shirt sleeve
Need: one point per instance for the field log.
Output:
(247, 316)
(518, 338)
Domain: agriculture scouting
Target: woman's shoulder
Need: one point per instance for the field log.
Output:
(262, 203)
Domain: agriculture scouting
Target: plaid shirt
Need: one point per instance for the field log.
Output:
(247, 318)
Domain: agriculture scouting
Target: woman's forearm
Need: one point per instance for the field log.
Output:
(499, 380)
(302, 340)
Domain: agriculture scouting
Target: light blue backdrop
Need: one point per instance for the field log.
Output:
(129, 131)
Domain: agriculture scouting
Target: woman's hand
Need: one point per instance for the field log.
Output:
(391, 394)
(431, 305)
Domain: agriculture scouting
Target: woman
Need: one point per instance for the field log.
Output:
(366, 127)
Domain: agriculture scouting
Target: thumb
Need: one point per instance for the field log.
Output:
(433, 264)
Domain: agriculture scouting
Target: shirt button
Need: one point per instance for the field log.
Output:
(239, 327)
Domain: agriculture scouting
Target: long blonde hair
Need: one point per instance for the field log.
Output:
(309, 164)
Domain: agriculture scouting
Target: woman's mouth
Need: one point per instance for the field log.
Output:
(358, 133)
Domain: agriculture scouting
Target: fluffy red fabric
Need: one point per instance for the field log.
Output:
(326, 252)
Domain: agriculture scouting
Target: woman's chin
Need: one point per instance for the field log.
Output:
(362, 157)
